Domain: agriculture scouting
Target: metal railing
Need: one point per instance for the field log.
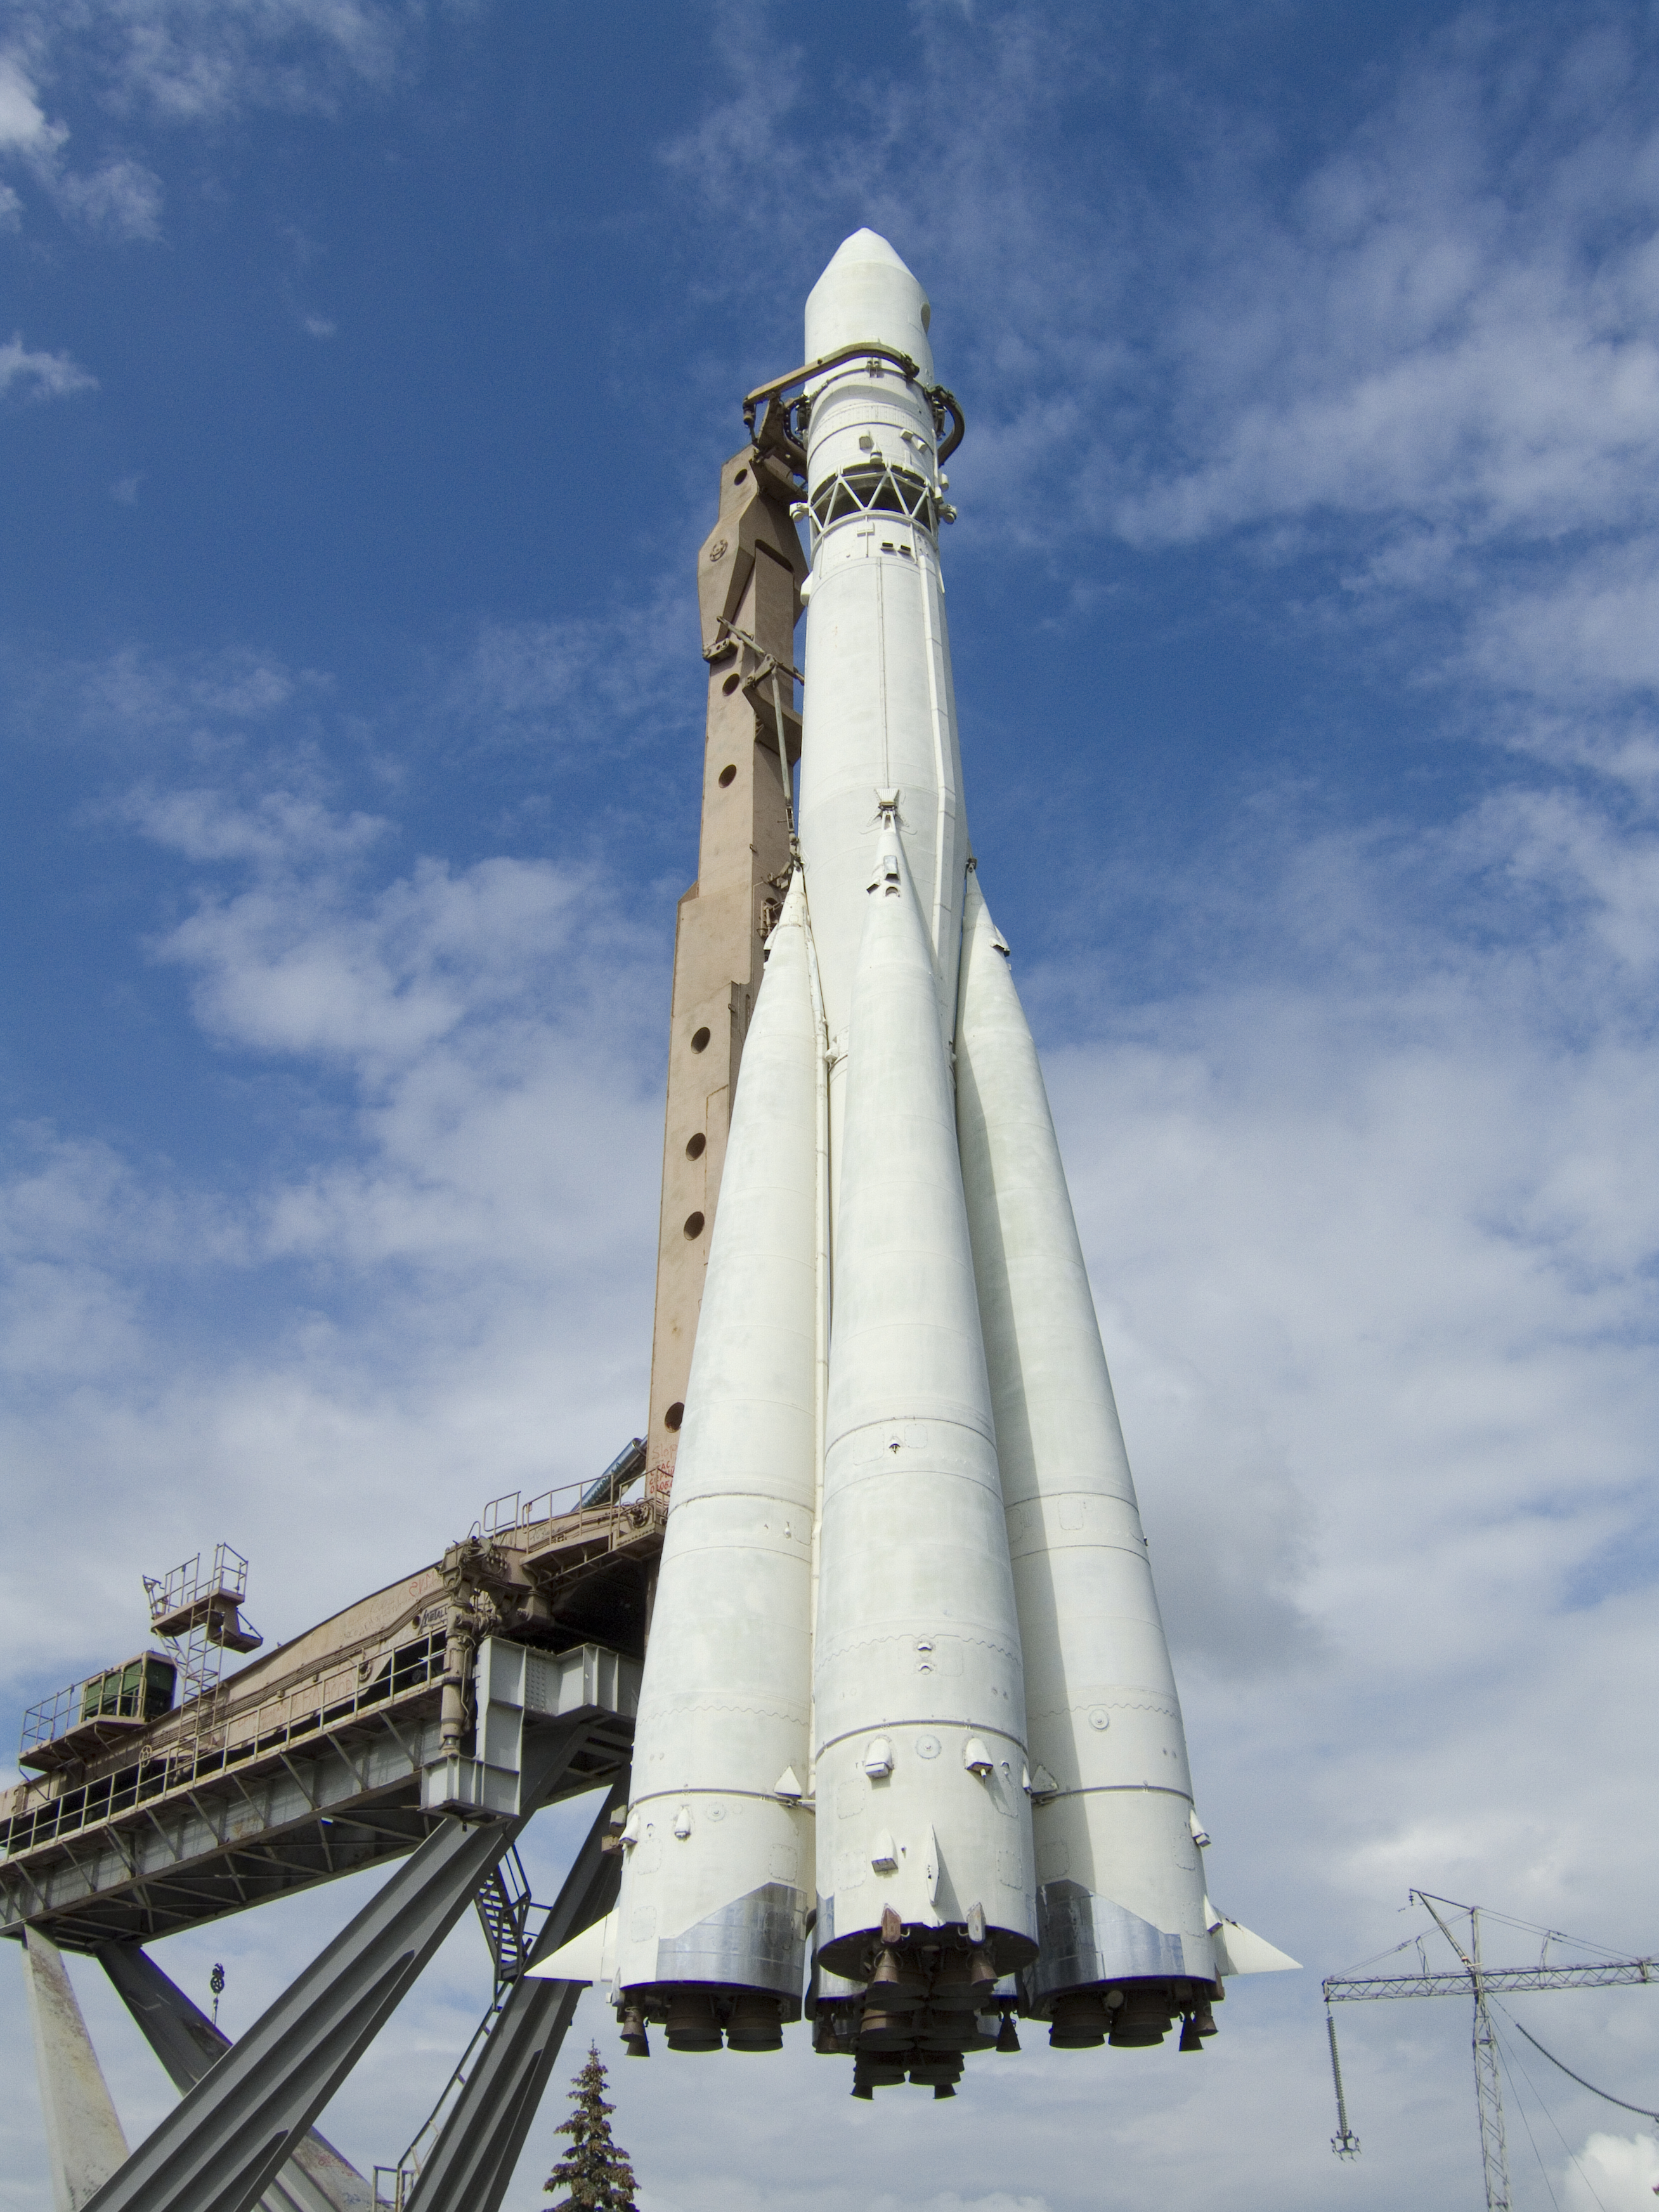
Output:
(53, 1717)
(180, 1761)
(186, 1584)
(512, 1512)
(139, 1689)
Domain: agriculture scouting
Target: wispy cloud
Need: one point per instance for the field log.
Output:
(24, 129)
(597, 680)
(122, 198)
(32, 374)
(190, 61)
(451, 1218)
(1420, 361)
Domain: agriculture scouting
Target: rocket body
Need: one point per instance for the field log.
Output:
(879, 715)
(719, 1853)
(907, 1678)
(920, 1696)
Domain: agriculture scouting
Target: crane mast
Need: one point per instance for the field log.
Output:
(1473, 1977)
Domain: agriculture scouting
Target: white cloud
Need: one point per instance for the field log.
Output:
(463, 1232)
(278, 828)
(197, 62)
(24, 129)
(41, 375)
(122, 198)
(1421, 361)
(283, 967)
(1613, 2173)
(1586, 633)
(595, 681)
(209, 707)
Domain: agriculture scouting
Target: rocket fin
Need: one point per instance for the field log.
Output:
(717, 1864)
(1116, 1862)
(1240, 1951)
(588, 1957)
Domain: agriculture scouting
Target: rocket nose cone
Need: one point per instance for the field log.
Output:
(866, 245)
(867, 295)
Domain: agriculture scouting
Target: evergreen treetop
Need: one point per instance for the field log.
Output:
(594, 2170)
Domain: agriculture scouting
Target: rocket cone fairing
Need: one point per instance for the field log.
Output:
(907, 1724)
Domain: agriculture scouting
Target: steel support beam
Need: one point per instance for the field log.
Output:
(84, 2141)
(230, 2137)
(473, 2159)
(316, 2178)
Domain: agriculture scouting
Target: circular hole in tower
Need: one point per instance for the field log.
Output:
(674, 1416)
(693, 1227)
(727, 777)
(700, 1041)
(742, 476)
(731, 684)
(696, 1147)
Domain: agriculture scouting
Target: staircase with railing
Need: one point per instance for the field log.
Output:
(512, 1921)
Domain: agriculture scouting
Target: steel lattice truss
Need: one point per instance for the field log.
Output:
(1497, 1979)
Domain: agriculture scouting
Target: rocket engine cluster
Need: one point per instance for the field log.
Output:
(908, 1734)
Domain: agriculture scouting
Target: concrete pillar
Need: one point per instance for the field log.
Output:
(84, 2141)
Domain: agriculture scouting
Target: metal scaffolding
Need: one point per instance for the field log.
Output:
(407, 1727)
(1474, 1979)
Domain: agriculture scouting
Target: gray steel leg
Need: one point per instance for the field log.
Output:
(84, 2141)
(224, 2144)
(316, 2178)
(472, 2161)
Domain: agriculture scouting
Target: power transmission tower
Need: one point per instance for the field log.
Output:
(1472, 1977)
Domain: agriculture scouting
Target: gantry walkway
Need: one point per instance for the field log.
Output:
(318, 1759)
(427, 1722)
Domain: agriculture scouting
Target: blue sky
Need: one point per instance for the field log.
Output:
(365, 371)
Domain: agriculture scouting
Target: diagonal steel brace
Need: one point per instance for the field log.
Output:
(227, 2140)
(472, 2160)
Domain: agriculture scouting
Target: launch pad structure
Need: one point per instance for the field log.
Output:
(904, 1575)
(429, 1721)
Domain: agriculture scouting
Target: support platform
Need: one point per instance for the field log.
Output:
(310, 1764)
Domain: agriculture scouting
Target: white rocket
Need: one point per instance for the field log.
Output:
(907, 1705)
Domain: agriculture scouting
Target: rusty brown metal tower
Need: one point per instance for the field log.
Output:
(750, 572)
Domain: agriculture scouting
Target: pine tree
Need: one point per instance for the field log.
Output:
(595, 2172)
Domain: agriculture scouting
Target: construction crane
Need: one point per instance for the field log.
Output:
(1473, 1977)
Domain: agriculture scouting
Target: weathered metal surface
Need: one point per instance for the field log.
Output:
(480, 2136)
(219, 2148)
(310, 1765)
(316, 2178)
(84, 2141)
(750, 570)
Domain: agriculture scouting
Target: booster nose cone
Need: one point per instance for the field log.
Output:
(867, 295)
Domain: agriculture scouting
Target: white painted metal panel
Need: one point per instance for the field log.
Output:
(718, 1865)
(1120, 1887)
(879, 710)
(920, 1701)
